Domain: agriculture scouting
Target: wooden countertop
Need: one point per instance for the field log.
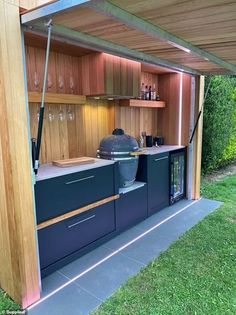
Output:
(47, 171)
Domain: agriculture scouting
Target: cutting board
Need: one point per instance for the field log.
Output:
(73, 162)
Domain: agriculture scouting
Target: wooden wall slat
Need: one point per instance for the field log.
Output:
(19, 274)
(186, 109)
(97, 118)
(169, 85)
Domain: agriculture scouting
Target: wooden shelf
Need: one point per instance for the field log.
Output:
(142, 103)
(57, 98)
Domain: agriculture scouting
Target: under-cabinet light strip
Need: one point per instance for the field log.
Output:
(111, 255)
(180, 108)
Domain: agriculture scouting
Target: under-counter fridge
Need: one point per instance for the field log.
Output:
(177, 175)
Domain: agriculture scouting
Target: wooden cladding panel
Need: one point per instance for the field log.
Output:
(19, 274)
(93, 121)
(64, 72)
(149, 79)
(135, 120)
(122, 76)
(197, 141)
(168, 118)
(186, 110)
(92, 74)
(179, 20)
(56, 98)
(79, 137)
(142, 103)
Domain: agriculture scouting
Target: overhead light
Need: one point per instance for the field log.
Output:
(97, 98)
(110, 98)
(179, 46)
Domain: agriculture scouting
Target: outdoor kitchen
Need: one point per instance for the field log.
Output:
(101, 132)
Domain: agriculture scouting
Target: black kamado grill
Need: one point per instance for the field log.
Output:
(121, 147)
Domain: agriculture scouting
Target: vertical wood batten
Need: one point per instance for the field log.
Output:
(198, 139)
(18, 257)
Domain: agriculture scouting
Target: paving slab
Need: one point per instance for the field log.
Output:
(84, 284)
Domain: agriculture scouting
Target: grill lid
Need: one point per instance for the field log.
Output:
(118, 143)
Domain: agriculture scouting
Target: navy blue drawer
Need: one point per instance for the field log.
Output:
(59, 195)
(64, 238)
(131, 208)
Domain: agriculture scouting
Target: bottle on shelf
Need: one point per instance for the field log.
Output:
(154, 93)
(146, 93)
(142, 92)
(150, 92)
(143, 136)
(141, 142)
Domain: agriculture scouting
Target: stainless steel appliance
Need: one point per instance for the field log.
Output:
(177, 175)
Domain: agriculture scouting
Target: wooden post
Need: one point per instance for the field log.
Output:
(19, 272)
(198, 139)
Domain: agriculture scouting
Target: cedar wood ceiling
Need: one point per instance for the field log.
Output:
(209, 25)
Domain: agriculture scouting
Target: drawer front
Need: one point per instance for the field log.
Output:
(62, 239)
(131, 208)
(60, 195)
(158, 184)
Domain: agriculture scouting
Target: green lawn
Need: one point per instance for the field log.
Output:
(6, 304)
(197, 275)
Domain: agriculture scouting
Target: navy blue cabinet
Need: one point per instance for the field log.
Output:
(59, 195)
(131, 207)
(154, 169)
(66, 237)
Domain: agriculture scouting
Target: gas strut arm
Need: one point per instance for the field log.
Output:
(41, 113)
(200, 112)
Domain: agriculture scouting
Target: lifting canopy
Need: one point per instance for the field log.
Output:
(197, 37)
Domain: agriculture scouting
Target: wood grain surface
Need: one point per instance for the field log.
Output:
(187, 20)
(76, 212)
(142, 103)
(57, 98)
(19, 271)
(73, 162)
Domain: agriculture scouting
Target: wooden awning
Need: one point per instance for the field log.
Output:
(197, 37)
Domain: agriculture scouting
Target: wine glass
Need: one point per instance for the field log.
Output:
(70, 114)
(36, 80)
(49, 81)
(60, 82)
(61, 114)
(72, 84)
(50, 115)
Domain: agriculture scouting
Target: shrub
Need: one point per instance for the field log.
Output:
(219, 123)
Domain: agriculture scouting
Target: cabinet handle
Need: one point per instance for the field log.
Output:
(79, 180)
(162, 158)
(81, 221)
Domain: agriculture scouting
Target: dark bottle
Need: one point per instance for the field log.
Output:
(150, 93)
(146, 93)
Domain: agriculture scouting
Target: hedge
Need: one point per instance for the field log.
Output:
(219, 123)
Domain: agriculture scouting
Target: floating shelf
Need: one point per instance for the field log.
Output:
(142, 103)
(57, 98)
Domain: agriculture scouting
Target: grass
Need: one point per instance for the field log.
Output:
(196, 276)
(6, 304)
